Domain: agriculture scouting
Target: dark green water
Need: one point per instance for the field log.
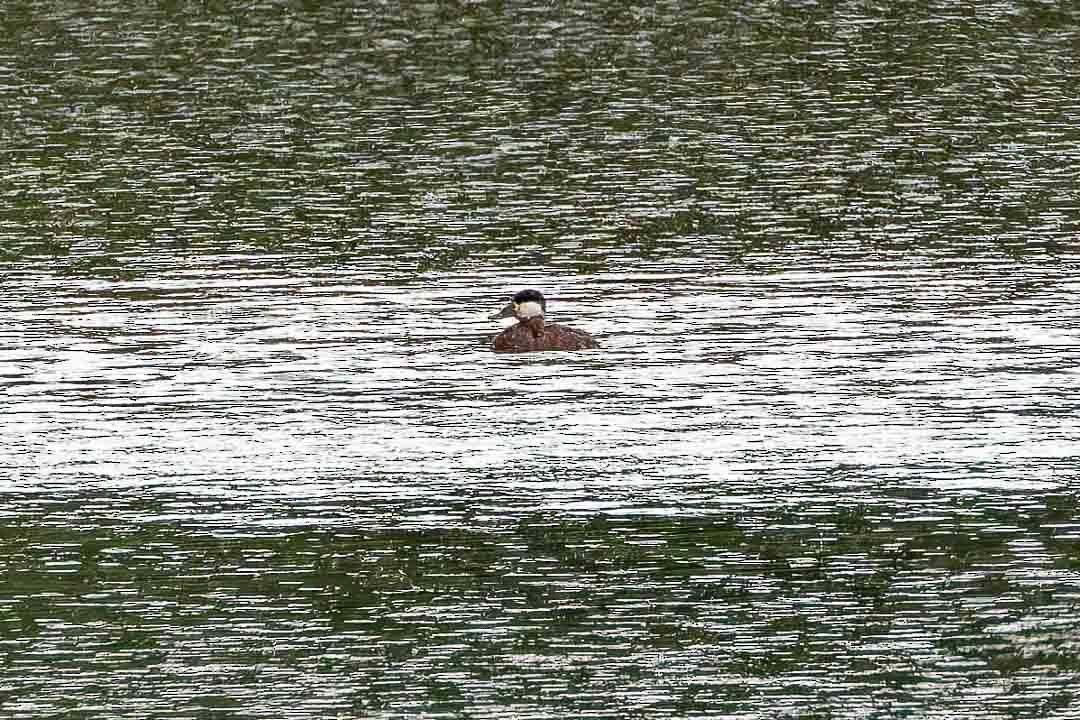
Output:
(256, 459)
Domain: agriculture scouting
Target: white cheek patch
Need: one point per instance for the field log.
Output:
(528, 310)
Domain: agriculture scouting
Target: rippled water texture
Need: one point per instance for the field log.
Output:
(257, 460)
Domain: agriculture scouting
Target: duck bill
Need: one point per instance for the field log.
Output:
(506, 312)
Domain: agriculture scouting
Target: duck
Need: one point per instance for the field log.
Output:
(531, 333)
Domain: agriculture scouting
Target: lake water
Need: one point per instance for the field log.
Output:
(257, 459)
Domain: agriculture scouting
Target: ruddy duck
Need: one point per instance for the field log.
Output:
(531, 332)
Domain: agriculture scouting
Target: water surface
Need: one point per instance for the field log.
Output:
(257, 459)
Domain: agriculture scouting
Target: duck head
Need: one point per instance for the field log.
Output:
(525, 305)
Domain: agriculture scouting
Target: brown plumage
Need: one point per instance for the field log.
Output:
(531, 333)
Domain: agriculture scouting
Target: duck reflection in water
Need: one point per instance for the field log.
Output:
(531, 333)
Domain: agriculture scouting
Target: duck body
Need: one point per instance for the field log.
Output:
(531, 333)
(523, 337)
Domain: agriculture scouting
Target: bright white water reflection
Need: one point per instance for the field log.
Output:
(918, 373)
